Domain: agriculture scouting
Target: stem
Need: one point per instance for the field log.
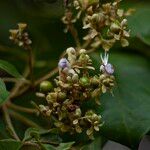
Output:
(49, 75)
(74, 33)
(21, 109)
(18, 85)
(31, 65)
(23, 119)
(9, 123)
(31, 144)
(15, 80)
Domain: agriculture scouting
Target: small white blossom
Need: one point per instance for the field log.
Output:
(106, 67)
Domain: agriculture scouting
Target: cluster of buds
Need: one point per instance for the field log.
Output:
(105, 23)
(20, 37)
(76, 87)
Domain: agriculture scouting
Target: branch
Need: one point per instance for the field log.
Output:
(9, 123)
(23, 119)
(74, 33)
(22, 109)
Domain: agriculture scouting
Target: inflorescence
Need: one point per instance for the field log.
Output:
(20, 36)
(105, 23)
(75, 87)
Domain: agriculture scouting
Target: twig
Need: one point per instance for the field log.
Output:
(24, 119)
(18, 85)
(9, 123)
(15, 80)
(22, 109)
(49, 75)
(31, 144)
(87, 43)
(31, 58)
(74, 33)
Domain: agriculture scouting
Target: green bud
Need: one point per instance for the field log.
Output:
(46, 86)
(61, 95)
(84, 81)
(78, 112)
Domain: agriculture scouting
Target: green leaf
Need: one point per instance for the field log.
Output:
(3, 92)
(139, 24)
(126, 115)
(62, 146)
(65, 146)
(9, 68)
(10, 144)
(94, 145)
(30, 133)
(49, 147)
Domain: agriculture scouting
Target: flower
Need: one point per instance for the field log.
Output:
(63, 63)
(106, 67)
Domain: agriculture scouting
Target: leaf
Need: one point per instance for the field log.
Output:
(139, 24)
(145, 39)
(126, 115)
(65, 146)
(10, 144)
(3, 92)
(49, 147)
(9, 68)
(62, 146)
(94, 145)
(30, 133)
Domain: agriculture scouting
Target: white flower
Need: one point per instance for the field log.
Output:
(106, 67)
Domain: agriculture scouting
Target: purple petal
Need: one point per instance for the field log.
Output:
(63, 63)
(109, 68)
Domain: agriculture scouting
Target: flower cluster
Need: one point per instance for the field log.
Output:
(75, 87)
(105, 23)
(20, 37)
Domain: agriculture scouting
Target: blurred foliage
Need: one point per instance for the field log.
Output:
(126, 114)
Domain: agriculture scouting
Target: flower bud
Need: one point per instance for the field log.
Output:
(75, 78)
(84, 81)
(82, 51)
(51, 97)
(94, 81)
(13, 34)
(71, 55)
(124, 22)
(114, 27)
(42, 108)
(86, 3)
(63, 63)
(95, 18)
(78, 112)
(22, 26)
(46, 86)
(61, 95)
